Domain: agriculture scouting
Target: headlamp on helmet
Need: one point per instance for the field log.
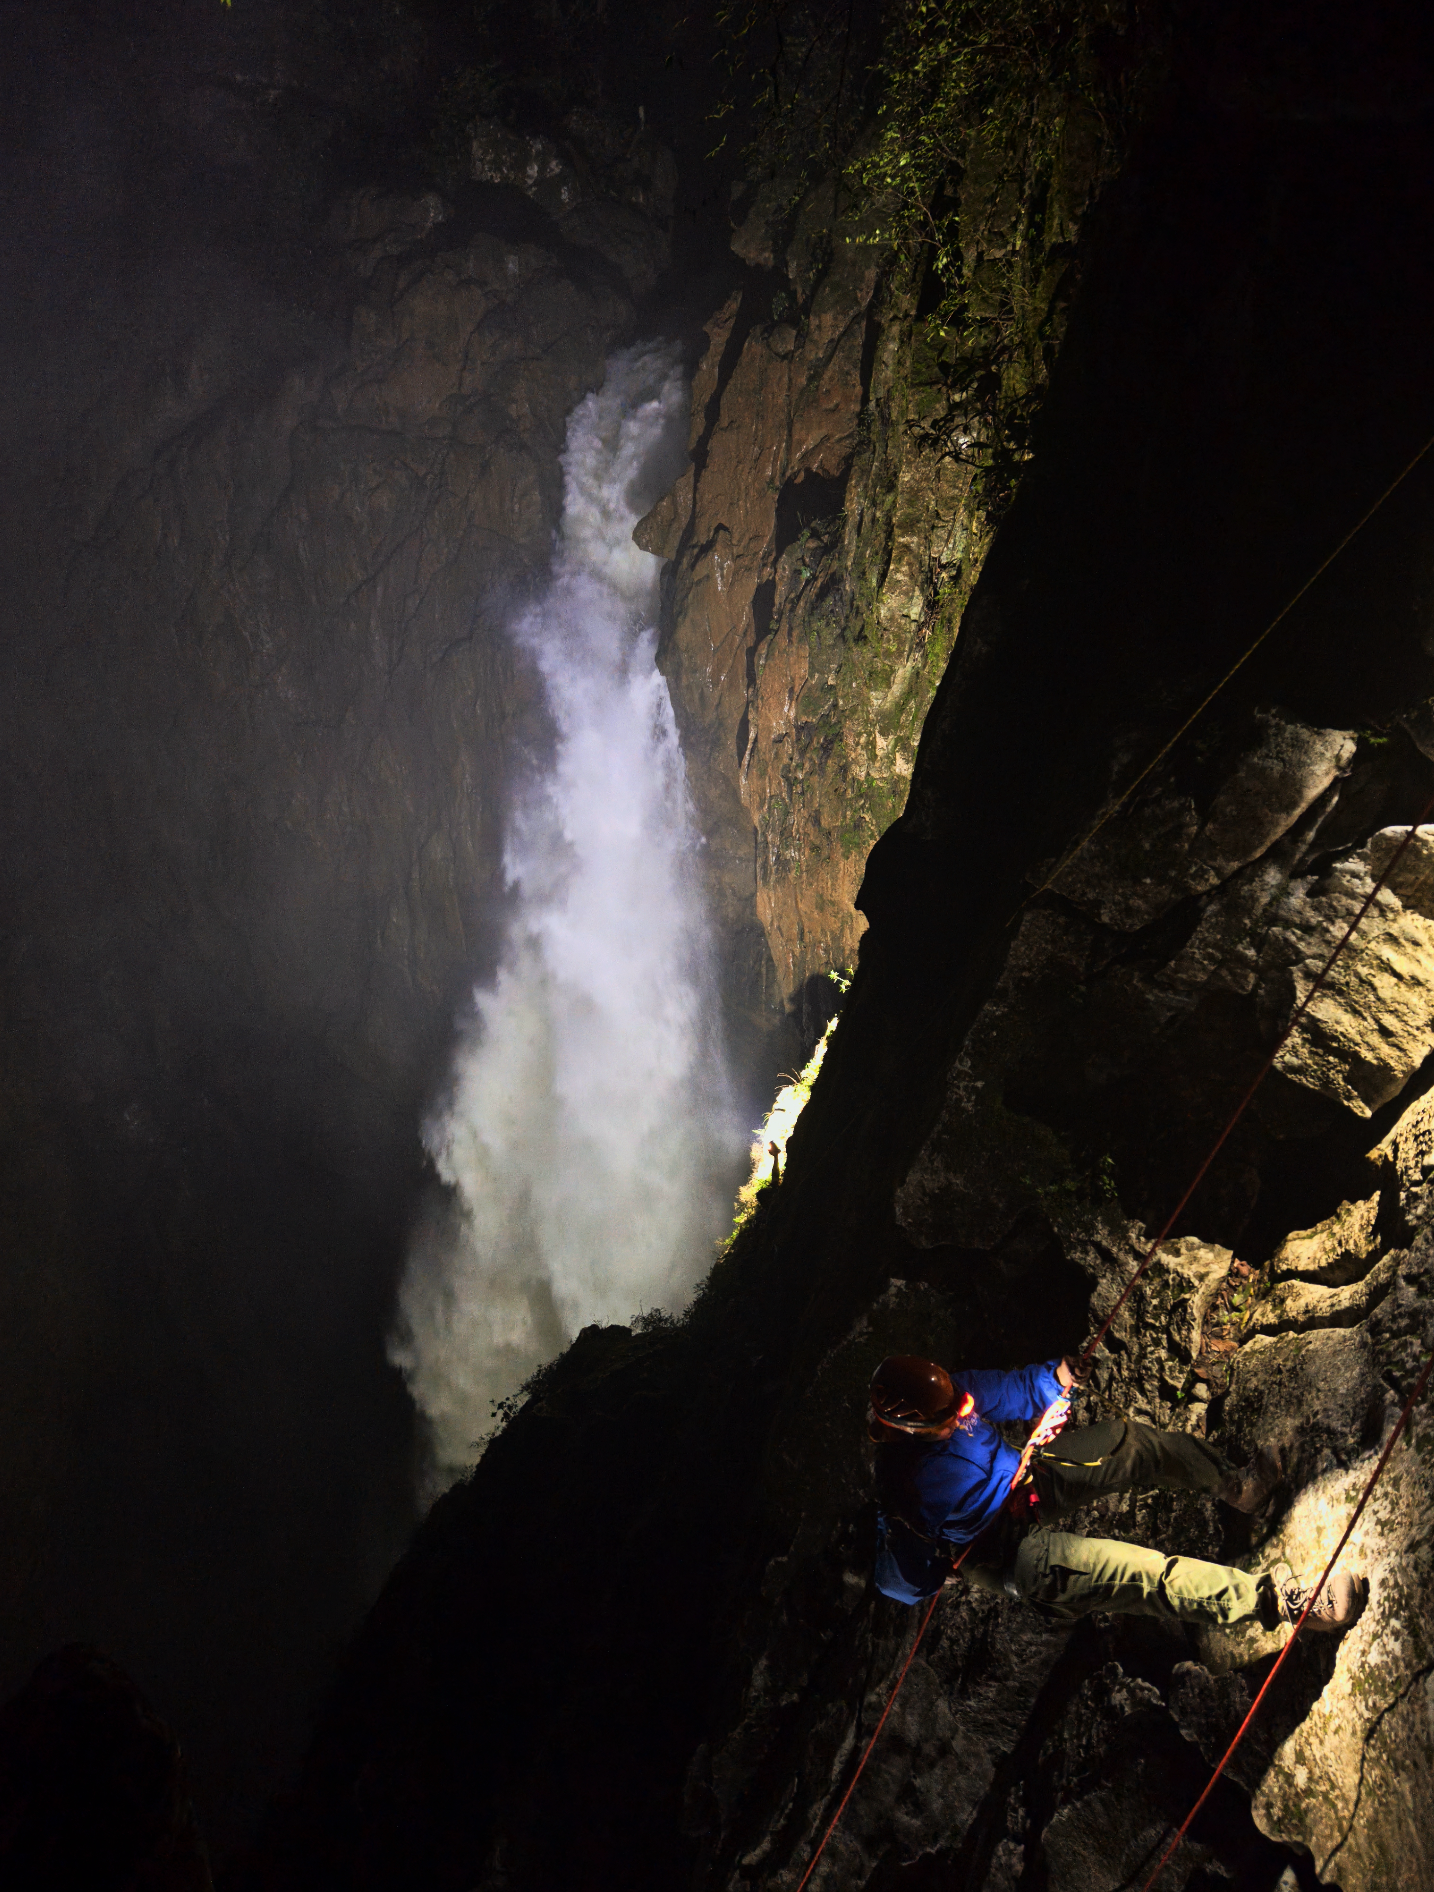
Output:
(917, 1396)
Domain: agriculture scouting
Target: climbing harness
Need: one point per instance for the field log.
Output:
(1050, 1425)
(1055, 1415)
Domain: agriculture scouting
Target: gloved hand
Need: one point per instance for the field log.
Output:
(1071, 1373)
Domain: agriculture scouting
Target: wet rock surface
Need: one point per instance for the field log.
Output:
(823, 547)
(640, 1648)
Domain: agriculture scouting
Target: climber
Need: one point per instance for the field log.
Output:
(944, 1480)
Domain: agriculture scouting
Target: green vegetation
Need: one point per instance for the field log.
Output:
(1067, 1191)
(964, 85)
(970, 136)
(998, 122)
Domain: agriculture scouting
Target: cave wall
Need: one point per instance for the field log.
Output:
(282, 453)
(641, 1644)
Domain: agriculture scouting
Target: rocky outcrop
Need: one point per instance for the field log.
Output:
(264, 532)
(607, 185)
(1139, 864)
(831, 527)
(300, 591)
(1369, 1028)
(1101, 1745)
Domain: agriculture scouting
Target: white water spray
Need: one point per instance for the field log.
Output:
(589, 1128)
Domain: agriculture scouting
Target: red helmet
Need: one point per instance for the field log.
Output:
(914, 1395)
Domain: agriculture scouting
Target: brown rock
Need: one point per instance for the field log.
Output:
(807, 634)
(660, 531)
(372, 224)
(609, 186)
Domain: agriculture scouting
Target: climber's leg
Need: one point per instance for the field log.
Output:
(1067, 1577)
(1124, 1455)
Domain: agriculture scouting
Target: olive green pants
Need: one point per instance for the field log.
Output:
(1066, 1576)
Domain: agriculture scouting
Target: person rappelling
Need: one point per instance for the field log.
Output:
(946, 1479)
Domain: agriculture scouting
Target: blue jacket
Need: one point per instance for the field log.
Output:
(951, 1489)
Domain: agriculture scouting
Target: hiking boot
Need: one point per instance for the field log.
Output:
(1337, 1607)
(1250, 1490)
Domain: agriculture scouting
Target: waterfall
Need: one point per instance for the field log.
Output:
(588, 1132)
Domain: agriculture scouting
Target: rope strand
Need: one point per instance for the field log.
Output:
(1113, 808)
(866, 1754)
(1255, 1084)
(1374, 1478)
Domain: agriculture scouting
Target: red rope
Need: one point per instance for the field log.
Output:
(1047, 1427)
(1105, 1328)
(1255, 1084)
(890, 1704)
(1402, 1421)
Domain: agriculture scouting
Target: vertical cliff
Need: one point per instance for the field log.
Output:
(849, 460)
(285, 454)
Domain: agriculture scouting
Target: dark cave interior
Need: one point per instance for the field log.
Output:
(216, 1068)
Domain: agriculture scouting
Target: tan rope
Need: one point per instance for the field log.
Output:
(1114, 807)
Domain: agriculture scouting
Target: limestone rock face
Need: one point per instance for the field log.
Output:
(1351, 1780)
(393, 491)
(1024, 1082)
(1297, 1306)
(1335, 1253)
(776, 427)
(373, 224)
(1335, 1324)
(1372, 1024)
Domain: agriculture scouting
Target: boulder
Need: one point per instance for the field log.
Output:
(609, 187)
(372, 224)
(1293, 1305)
(1406, 1155)
(1371, 1025)
(1335, 1252)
